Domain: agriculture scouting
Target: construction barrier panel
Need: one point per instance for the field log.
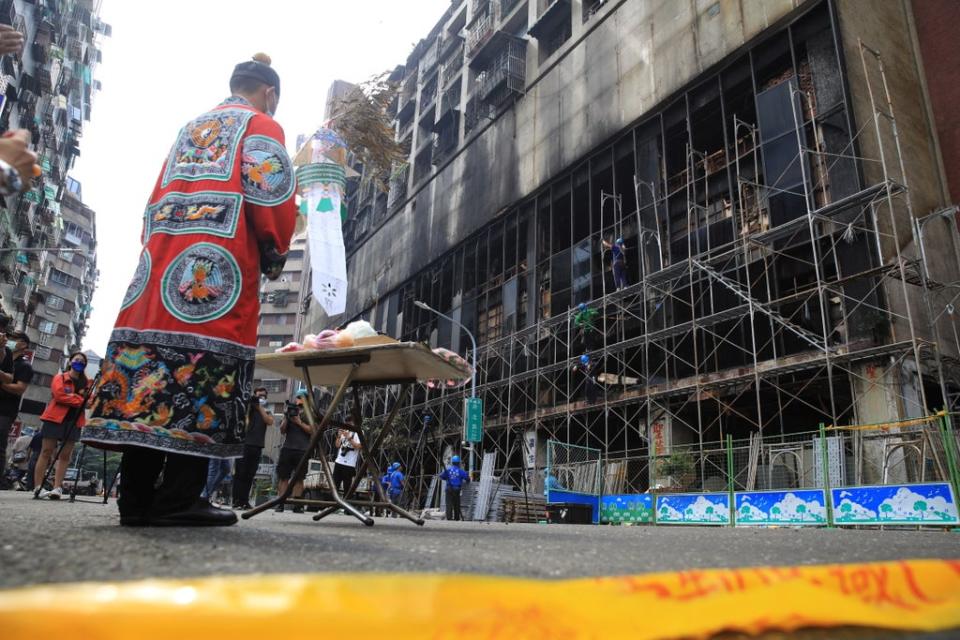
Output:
(634, 508)
(918, 595)
(797, 508)
(693, 508)
(912, 504)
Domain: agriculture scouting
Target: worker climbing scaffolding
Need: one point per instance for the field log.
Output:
(618, 262)
(584, 323)
(590, 386)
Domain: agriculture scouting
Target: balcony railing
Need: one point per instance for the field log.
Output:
(428, 95)
(505, 76)
(430, 57)
(480, 32)
(449, 102)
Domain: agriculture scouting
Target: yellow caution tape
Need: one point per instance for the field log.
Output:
(912, 595)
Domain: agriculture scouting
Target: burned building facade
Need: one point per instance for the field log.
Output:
(773, 172)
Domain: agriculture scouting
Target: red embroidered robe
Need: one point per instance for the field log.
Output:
(178, 371)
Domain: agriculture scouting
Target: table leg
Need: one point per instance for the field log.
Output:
(371, 460)
(368, 457)
(315, 440)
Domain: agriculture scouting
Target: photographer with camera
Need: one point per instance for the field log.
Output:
(16, 373)
(258, 419)
(348, 453)
(298, 432)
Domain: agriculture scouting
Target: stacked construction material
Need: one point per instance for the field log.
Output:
(531, 510)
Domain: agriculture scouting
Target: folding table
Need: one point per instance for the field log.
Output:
(384, 362)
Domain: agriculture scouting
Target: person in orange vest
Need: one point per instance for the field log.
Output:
(62, 420)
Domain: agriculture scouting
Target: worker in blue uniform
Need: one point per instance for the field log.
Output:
(395, 489)
(618, 261)
(455, 477)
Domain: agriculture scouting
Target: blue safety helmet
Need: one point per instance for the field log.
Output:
(619, 240)
(455, 460)
(582, 306)
(395, 466)
(584, 359)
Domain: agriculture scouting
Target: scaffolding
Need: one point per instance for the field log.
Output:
(708, 342)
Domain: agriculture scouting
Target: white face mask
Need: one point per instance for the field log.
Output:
(12, 345)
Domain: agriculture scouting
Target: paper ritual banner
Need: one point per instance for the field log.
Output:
(321, 178)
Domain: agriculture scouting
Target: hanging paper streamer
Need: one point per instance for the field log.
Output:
(321, 177)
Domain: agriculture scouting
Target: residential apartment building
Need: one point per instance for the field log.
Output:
(63, 310)
(777, 174)
(279, 318)
(49, 89)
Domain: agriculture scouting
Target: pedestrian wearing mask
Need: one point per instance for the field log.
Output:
(62, 420)
(16, 374)
(253, 443)
(297, 432)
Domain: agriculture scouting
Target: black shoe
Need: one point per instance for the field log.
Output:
(279, 508)
(298, 508)
(246, 506)
(134, 520)
(201, 514)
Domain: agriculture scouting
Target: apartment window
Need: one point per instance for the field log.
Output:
(274, 386)
(273, 341)
(73, 186)
(553, 26)
(290, 276)
(279, 318)
(42, 353)
(295, 254)
(61, 278)
(72, 233)
(47, 326)
(54, 302)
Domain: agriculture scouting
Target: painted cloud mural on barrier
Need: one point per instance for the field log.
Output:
(693, 509)
(902, 504)
(801, 507)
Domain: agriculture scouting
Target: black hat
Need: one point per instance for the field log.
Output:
(258, 68)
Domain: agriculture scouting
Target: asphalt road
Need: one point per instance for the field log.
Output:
(46, 542)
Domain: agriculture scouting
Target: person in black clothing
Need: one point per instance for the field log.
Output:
(15, 375)
(591, 388)
(36, 445)
(298, 432)
(257, 422)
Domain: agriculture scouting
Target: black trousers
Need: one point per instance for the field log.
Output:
(343, 477)
(453, 504)
(6, 423)
(591, 390)
(245, 472)
(183, 479)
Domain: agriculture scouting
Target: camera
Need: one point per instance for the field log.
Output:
(292, 410)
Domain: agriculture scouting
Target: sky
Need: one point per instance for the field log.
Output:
(168, 63)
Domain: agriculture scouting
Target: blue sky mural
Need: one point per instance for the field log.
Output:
(897, 504)
(694, 508)
(797, 507)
